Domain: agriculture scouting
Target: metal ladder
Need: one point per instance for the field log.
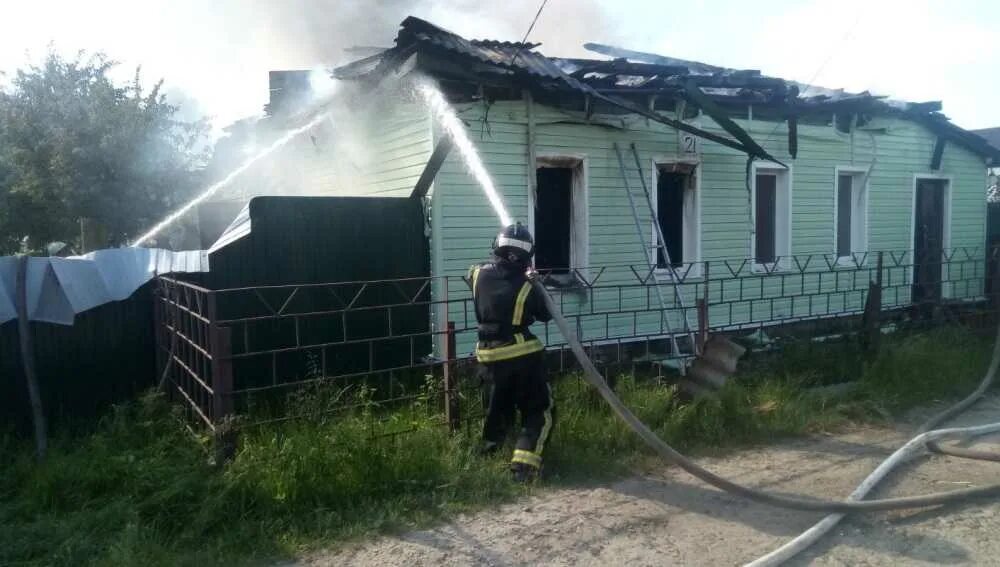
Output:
(659, 245)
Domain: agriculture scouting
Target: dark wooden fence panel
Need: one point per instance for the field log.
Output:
(107, 356)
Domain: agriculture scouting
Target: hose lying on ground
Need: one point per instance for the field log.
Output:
(813, 534)
(963, 453)
(670, 454)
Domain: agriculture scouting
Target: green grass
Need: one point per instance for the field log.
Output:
(137, 489)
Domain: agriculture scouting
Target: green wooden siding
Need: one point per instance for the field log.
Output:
(380, 152)
(464, 224)
(399, 145)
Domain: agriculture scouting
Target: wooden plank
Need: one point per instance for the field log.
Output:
(938, 153)
(441, 151)
(695, 96)
(28, 360)
(532, 160)
(793, 136)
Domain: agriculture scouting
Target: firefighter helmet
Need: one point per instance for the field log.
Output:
(514, 240)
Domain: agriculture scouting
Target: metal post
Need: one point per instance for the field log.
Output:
(28, 360)
(871, 319)
(993, 275)
(878, 272)
(706, 299)
(172, 313)
(158, 329)
(451, 402)
(221, 348)
(702, 307)
(532, 160)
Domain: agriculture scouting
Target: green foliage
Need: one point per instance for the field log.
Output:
(73, 144)
(138, 489)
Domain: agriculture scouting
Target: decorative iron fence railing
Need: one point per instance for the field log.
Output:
(244, 350)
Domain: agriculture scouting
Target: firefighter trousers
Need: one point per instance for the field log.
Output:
(519, 384)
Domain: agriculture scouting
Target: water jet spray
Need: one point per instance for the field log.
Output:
(456, 130)
(213, 189)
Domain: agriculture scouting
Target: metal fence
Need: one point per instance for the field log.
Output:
(193, 351)
(246, 350)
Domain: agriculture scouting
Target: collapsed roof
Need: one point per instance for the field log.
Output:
(640, 83)
(991, 135)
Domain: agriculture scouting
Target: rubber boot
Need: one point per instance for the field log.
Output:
(489, 448)
(523, 474)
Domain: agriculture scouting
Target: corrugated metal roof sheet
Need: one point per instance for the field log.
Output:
(513, 56)
(991, 135)
(59, 288)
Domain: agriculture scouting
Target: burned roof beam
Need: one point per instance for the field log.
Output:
(683, 126)
(952, 133)
(938, 153)
(734, 101)
(440, 153)
(622, 67)
(613, 51)
(730, 82)
(924, 107)
(722, 81)
(856, 104)
(694, 95)
(793, 136)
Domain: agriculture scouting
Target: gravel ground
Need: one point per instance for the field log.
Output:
(666, 517)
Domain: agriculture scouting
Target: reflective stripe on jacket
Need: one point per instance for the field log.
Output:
(505, 308)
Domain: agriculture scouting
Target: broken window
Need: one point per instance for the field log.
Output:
(674, 202)
(559, 221)
(767, 204)
(850, 214)
(670, 213)
(772, 216)
(553, 218)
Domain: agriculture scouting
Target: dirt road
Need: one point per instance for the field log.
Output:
(668, 518)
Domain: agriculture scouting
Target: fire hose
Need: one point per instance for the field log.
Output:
(671, 455)
(962, 453)
(813, 534)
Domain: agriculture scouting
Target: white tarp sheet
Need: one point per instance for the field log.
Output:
(59, 288)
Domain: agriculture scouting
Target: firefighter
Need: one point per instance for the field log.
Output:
(511, 358)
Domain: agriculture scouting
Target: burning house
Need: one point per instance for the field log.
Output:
(740, 199)
(755, 173)
(669, 200)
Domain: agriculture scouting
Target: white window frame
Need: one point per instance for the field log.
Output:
(691, 218)
(859, 223)
(579, 225)
(946, 287)
(782, 217)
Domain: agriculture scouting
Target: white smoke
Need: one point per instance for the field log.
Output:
(306, 33)
(333, 156)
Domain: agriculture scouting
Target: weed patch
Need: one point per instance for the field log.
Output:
(137, 489)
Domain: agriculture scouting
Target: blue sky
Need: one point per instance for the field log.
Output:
(215, 54)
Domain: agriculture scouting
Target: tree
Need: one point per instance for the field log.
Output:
(75, 145)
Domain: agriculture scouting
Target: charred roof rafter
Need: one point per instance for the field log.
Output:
(510, 67)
